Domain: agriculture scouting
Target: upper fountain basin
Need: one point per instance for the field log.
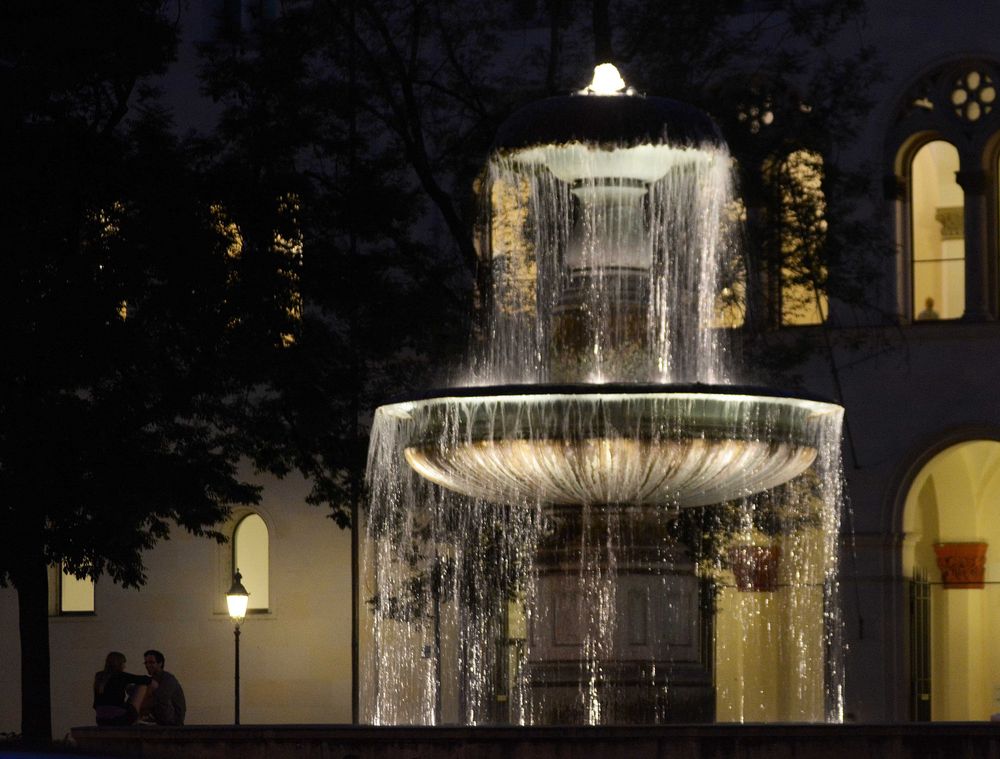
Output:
(670, 445)
(607, 122)
(584, 138)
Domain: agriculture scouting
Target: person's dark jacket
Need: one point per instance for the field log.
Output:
(169, 706)
(113, 692)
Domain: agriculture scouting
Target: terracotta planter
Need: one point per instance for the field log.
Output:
(755, 568)
(962, 565)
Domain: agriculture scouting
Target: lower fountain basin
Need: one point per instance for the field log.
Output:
(669, 445)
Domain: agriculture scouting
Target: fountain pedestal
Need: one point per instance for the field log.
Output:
(645, 659)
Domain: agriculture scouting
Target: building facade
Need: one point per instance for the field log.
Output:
(920, 565)
(921, 561)
(295, 646)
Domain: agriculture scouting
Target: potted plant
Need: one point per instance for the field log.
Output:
(744, 537)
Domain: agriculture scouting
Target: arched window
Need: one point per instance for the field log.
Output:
(250, 556)
(937, 217)
(944, 148)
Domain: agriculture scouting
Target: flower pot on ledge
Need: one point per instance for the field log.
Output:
(755, 568)
(962, 565)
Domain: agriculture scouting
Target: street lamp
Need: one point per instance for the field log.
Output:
(236, 600)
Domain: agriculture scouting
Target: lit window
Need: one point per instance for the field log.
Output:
(944, 140)
(797, 182)
(250, 556)
(973, 95)
(937, 219)
(287, 258)
(76, 596)
(730, 302)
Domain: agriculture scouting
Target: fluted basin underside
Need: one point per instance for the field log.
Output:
(594, 444)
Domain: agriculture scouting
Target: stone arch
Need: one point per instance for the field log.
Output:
(917, 458)
(946, 515)
(956, 101)
(925, 107)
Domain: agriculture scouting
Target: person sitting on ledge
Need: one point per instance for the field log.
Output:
(113, 704)
(164, 702)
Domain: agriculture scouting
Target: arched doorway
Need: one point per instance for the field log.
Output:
(951, 557)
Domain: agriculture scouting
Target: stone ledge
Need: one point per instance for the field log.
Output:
(978, 740)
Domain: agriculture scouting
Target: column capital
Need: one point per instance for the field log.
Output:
(962, 565)
(973, 181)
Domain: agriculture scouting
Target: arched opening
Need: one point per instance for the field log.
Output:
(950, 518)
(250, 556)
(937, 227)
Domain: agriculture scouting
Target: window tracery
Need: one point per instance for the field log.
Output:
(944, 150)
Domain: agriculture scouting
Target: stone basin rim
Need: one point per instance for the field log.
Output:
(692, 444)
(616, 389)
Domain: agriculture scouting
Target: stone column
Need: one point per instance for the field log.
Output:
(978, 299)
(960, 631)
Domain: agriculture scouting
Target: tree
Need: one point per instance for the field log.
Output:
(378, 117)
(131, 363)
(427, 83)
(313, 107)
(790, 96)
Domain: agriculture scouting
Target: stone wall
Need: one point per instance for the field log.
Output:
(903, 741)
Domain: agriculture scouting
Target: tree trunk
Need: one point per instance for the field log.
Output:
(32, 584)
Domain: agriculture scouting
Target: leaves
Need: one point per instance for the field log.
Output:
(116, 417)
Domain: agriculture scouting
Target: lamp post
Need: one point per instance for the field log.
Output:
(236, 600)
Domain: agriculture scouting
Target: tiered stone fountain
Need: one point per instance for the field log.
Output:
(523, 560)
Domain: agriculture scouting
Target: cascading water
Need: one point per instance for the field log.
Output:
(587, 531)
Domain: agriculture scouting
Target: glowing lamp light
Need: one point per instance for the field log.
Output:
(607, 81)
(237, 599)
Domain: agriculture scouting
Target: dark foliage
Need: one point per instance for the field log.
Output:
(171, 305)
(134, 339)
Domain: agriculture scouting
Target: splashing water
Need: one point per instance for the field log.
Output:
(607, 279)
(643, 543)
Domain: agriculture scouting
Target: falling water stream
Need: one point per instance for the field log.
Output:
(600, 526)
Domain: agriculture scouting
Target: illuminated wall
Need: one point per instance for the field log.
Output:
(295, 657)
(956, 499)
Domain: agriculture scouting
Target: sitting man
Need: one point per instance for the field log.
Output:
(164, 703)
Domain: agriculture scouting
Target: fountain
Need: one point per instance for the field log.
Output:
(585, 530)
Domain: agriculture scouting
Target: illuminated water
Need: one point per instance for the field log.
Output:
(542, 547)
(608, 279)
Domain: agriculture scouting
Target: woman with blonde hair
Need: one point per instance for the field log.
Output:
(113, 703)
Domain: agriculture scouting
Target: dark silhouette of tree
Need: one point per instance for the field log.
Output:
(170, 306)
(371, 117)
(135, 337)
(789, 85)
(378, 116)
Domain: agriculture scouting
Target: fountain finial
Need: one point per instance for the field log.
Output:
(607, 81)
